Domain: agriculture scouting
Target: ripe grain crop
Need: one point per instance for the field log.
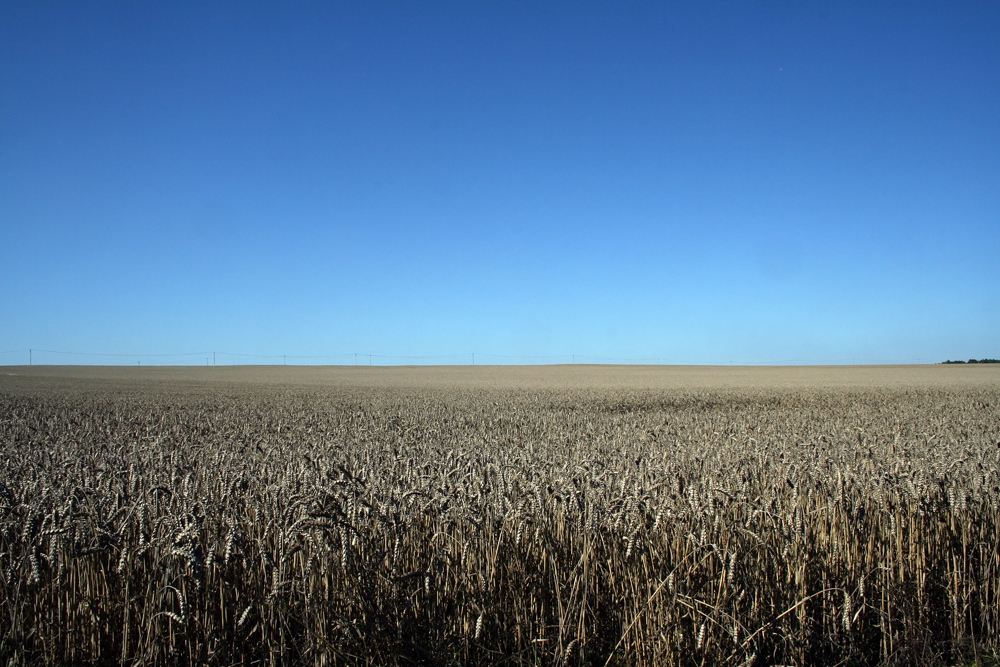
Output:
(160, 522)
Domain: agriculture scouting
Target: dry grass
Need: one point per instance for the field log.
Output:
(562, 516)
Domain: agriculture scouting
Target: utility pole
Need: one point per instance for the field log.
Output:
(473, 358)
(369, 360)
(30, 353)
(213, 358)
(574, 358)
(284, 360)
(355, 358)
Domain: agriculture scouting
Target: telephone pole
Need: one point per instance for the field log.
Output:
(473, 358)
(30, 354)
(213, 358)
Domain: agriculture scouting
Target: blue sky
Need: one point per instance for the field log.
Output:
(683, 182)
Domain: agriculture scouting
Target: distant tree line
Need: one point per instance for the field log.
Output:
(973, 361)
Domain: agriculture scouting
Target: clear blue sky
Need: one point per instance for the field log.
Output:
(691, 182)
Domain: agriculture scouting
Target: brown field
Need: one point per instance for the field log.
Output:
(531, 377)
(543, 515)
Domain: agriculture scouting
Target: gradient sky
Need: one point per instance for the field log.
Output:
(684, 182)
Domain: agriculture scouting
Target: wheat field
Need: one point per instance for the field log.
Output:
(500, 516)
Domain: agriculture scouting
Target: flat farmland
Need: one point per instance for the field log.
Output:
(542, 515)
(524, 377)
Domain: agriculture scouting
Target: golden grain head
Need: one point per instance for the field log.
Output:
(243, 523)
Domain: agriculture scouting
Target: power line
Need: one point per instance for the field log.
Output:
(320, 356)
(420, 356)
(255, 356)
(115, 354)
(468, 356)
